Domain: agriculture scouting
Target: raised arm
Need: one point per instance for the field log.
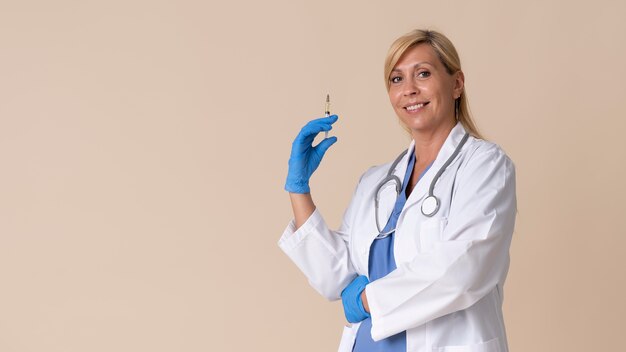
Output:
(304, 160)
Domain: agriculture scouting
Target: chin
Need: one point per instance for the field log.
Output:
(415, 123)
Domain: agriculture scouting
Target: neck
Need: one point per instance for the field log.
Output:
(428, 143)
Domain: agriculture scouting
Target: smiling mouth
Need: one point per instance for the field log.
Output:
(415, 107)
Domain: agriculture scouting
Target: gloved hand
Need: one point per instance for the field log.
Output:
(351, 299)
(305, 158)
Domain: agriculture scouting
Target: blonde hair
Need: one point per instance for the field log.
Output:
(449, 58)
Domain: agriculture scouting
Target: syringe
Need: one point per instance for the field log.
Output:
(327, 112)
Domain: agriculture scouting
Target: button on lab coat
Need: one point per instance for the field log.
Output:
(446, 292)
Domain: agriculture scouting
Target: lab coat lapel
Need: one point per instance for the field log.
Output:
(420, 192)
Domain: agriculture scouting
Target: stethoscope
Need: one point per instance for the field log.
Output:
(430, 205)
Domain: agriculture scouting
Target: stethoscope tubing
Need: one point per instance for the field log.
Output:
(431, 195)
(431, 190)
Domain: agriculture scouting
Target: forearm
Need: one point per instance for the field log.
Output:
(302, 206)
(319, 252)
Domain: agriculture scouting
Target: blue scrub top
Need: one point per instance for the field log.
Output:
(381, 263)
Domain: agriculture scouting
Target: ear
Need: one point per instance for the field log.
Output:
(459, 83)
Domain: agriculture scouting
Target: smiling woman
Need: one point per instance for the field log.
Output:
(436, 50)
(429, 280)
(422, 93)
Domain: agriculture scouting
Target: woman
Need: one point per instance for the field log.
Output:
(422, 254)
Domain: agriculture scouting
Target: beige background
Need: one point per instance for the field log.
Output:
(144, 145)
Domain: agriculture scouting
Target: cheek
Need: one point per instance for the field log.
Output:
(393, 97)
(446, 90)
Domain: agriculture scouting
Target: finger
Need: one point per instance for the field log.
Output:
(323, 146)
(329, 119)
(308, 132)
(324, 121)
(313, 128)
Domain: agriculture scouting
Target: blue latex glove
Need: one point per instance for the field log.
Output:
(305, 158)
(351, 299)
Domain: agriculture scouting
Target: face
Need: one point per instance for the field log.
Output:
(422, 92)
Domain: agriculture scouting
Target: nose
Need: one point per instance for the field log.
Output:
(409, 87)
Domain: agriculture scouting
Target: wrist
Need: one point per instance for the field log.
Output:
(298, 186)
(361, 306)
(366, 306)
(302, 206)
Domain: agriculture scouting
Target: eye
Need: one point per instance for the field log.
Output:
(423, 74)
(395, 79)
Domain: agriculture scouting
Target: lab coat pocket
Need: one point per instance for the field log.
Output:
(348, 337)
(492, 345)
(430, 233)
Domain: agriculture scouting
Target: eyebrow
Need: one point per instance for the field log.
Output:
(414, 66)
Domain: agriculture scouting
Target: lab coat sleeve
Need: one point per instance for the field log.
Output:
(321, 253)
(470, 258)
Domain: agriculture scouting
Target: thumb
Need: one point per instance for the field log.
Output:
(323, 146)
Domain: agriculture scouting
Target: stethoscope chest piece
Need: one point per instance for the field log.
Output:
(430, 205)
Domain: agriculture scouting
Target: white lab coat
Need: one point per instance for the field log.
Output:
(447, 289)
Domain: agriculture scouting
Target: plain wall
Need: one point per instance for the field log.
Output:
(144, 147)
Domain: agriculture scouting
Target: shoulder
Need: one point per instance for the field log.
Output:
(487, 159)
(479, 149)
(373, 175)
(378, 172)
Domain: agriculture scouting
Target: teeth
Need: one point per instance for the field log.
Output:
(414, 107)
